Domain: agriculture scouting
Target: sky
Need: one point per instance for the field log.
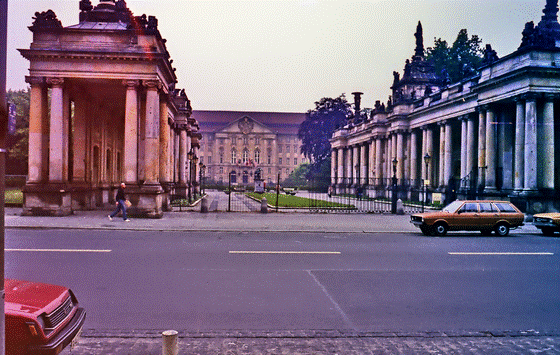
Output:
(284, 55)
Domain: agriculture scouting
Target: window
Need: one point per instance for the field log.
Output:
(221, 156)
(287, 149)
(280, 161)
(245, 156)
(245, 140)
(505, 207)
(233, 156)
(295, 161)
(487, 207)
(469, 207)
(257, 156)
(209, 159)
(279, 149)
(257, 141)
(221, 169)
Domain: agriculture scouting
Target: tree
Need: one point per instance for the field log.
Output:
(459, 61)
(318, 127)
(298, 177)
(17, 144)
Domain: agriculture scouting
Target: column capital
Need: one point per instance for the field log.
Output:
(482, 108)
(152, 84)
(530, 96)
(55, 81)
(131, 84)
(550, 96)
(35, 80)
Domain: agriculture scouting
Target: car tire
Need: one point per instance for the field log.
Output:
(440, 229)
(502, 230)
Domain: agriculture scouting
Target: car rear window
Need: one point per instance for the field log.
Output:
(487, 207)
(505, 207)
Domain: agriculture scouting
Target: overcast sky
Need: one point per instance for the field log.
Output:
(284, 55)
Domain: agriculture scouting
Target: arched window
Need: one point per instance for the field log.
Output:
(233, 177)
(245, 156)
(233, 156)
(221, 156)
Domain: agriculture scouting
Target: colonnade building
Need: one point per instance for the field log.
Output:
(491, 135)
(104, 109)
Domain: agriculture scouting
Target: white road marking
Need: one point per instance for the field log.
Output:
(496, 253)
(65, 250)
(283, 252)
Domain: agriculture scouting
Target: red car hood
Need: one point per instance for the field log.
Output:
(31, 297)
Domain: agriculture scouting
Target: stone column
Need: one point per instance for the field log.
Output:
(430, 151)
(399, 142)
(491, 156)
(441, 169)
(334, 161)
(371, 162)
(471, 146)
(519, 163)
(363, 164)
(38, 131)
(57, 134)
(151, 154)
(80, 139)
(340, 165)
(547, 155)
(378, 160)
(448, 160)
(414, 156)
(131, 132)
(481, 146)
(355, 164)
(164, 151)
(464, 145)
(530, 144)
(183, 154)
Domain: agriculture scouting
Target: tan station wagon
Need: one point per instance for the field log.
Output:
(484, 216)
(548, 223)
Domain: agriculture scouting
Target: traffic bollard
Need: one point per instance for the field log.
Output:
(264, 205)
(170, 342)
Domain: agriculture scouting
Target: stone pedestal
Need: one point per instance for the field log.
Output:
(52, 199)
(146, 199)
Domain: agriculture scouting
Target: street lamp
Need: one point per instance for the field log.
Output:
(394, 194)
(427, 159)
(190, 157)
(201, 176)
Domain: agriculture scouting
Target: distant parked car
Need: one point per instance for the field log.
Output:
(548, 223)
(40, 318)
(484, 216)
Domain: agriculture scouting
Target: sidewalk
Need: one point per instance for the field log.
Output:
(232, 221)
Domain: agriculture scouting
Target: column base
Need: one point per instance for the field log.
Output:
(47, 199)
(146, 199)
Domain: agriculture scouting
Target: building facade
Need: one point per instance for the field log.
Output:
(492, 135)
(104, 109)
(236, 143)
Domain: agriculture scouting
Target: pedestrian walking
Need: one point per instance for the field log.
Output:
(121, 203)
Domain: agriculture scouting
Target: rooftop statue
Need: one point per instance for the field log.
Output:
(46, 19)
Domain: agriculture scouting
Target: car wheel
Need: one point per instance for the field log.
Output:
(502, 229)
(486, 232)
(440, 229)
(547, 231)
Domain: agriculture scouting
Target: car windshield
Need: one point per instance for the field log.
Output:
(452, 207)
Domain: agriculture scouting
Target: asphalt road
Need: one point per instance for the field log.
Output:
(196, 281)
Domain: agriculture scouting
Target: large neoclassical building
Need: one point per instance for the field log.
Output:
(105, 109)
(236, 143)
(492, 135)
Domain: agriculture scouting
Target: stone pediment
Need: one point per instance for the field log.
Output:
(246, 125)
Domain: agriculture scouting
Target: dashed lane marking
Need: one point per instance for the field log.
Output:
(64, 250)
(498, 253)
(283, 252)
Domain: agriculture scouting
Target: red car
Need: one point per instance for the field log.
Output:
(40, 318)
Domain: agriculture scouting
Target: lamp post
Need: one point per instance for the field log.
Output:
(394, 194)
(201, 177)
(190, 157)
(427, 159)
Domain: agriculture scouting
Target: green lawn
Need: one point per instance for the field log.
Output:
(295, 201)
(13, 196)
